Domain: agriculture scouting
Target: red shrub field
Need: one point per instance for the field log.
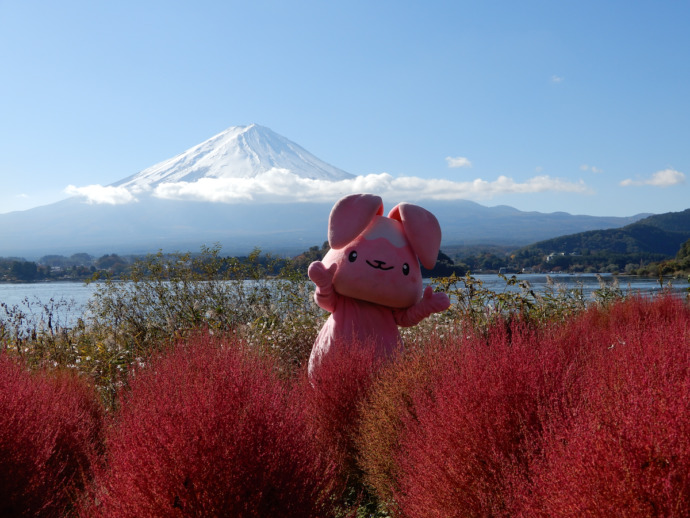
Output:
(332, 398)
(50, 431)
(469, 437)
(382, 417)
(584, 417)
(623, 449)
(209, 430)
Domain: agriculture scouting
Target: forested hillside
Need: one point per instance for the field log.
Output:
(629, 249)
(659, 235)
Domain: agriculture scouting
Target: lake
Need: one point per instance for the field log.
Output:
(78, 294)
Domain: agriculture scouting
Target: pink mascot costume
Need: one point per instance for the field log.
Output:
(370, 280)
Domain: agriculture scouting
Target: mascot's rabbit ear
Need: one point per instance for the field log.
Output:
(350, 216)
(422, 231)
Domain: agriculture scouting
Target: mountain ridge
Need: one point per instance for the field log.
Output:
(148, 223)
(661, 234)
(71, 226)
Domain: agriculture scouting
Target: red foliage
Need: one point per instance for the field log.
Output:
(209, 431)
(467, 448)
(332, 397)
(50, 431)
(384, 413)
(625, 449)
(587, 418)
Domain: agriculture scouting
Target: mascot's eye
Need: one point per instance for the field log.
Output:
(352, 257)
(406, 269)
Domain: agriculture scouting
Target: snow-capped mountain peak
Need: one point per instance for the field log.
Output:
(237, 152)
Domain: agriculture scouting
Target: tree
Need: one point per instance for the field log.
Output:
(24, 270)
(683, 256)
(81, 259)
(113, 263)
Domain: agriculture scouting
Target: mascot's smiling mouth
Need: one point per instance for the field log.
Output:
(379, 265)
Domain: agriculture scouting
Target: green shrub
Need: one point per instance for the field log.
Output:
(165, 297)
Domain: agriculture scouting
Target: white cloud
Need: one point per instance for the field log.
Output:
(458, 161)
(283, 186)
(97, 194)
(593, 169)
(663, 178)
(557, 79)
(280, 185)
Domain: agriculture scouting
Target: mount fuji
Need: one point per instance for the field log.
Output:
(243, 188)
(238, 152)
(229, 189)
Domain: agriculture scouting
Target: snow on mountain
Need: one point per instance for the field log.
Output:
(249, 187)
(238, 152)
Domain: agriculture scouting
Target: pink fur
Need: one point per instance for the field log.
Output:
(350, 216)
(371, 281)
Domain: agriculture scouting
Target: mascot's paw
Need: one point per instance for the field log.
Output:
(435, 302)
(320, 275)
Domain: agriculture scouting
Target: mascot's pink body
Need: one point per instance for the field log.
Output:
(371, 281)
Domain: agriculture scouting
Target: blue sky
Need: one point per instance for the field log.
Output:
(579, 106)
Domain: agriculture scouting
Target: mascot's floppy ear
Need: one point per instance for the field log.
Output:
(350, 216)
(422, 231)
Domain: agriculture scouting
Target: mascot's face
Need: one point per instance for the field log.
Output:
(378, 266)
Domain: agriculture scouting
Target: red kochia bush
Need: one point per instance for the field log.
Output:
(208, 430)
(625, 450)
(50, 429)
(384, 412)
(332, 398)
(468, 440)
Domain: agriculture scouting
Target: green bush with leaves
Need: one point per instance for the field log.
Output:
(480, 306)
(164, 297)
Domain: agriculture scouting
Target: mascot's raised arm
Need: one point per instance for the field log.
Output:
(370, 280)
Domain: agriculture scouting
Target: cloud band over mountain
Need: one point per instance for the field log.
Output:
(252, 163)
(281, 185)
(100, 194)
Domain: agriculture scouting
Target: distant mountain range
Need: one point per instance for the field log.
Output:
(661, 234)
(165, 213)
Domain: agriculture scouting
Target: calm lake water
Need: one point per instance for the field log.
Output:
(78, 294)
